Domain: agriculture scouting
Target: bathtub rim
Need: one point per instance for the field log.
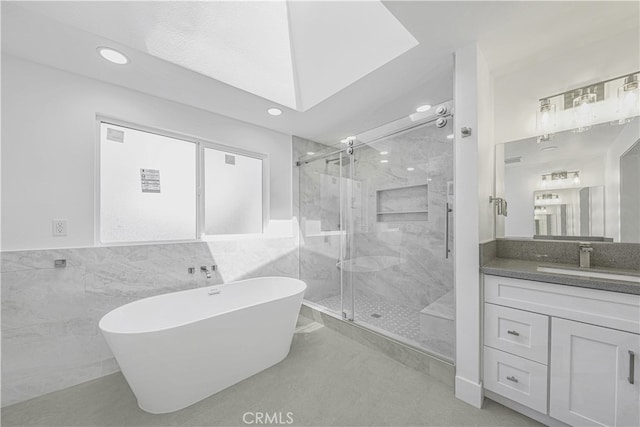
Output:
(298, 292)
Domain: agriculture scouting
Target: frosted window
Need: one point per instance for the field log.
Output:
(233, 193)
(147, 186)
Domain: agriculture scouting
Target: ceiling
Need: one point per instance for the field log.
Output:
(286, 52)
(354, 80)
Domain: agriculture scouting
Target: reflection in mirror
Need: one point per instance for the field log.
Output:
(630, 194)
(569, 212)
(594, 174)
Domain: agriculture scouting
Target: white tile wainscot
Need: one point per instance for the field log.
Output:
(50, 336)
(587, 340)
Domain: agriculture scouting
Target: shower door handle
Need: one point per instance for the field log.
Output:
(446, 231)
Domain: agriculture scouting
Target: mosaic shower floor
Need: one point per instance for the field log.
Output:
(400, 322)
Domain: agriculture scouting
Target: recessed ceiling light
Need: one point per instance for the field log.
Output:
(384, 161)
(550, 148)
(450, 136)
(112, 55)
(274, 111)
(423, 108)
(310, 153)
(384, 153)
(410, 169)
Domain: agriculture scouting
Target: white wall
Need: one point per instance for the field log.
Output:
(49, 140)
(471, 216)
(517, 93)
(630, 196)
(622, 143)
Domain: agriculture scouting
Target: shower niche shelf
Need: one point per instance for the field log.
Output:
(402, 204)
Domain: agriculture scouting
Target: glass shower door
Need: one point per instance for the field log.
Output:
(374, 221)
(324, 240)
(401, 273)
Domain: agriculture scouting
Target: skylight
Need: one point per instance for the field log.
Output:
(292, 53)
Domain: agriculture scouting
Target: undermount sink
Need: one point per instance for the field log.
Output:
(591, 273)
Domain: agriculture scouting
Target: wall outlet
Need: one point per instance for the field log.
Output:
(59, 227)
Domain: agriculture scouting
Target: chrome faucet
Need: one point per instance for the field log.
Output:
(585, 255)
(206, 271)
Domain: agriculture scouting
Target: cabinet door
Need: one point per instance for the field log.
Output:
(591, 383)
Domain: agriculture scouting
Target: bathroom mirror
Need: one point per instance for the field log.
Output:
(568, 213)
(578, 185)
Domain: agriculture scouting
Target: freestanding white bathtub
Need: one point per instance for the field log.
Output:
(179, 348)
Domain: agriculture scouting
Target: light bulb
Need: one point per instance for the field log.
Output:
(545, 116)
(628, 99)
(576, 178)
(583, 111)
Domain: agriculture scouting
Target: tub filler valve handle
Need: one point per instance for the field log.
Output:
(206, 271)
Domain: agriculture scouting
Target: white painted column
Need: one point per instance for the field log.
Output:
(473, 169)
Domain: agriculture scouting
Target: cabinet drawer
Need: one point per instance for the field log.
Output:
(516, 378)
(518, 332)
(609, 309)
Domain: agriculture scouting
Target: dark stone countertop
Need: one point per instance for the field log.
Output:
(528, 270)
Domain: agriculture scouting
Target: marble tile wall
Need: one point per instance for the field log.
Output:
(403, 259)
(605, 254)
(319, 243)
(423, 275)
(50, 334)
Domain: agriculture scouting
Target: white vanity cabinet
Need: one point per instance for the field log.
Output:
(566, 352)
(594, 375)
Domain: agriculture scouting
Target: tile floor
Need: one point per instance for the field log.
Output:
(327, 380)
(401, 322)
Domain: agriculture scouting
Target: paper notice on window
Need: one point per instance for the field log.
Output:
(150, 179)
(115, 135)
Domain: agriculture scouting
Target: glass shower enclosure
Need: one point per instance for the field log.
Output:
(376, 231)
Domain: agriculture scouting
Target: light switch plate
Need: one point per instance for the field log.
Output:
(59, 227)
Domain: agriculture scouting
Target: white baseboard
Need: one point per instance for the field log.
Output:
(469, 392)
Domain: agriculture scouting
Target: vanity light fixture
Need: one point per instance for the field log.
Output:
(274, 111)
(547, 199)
(423, 108)
(559, 179)
(582, 107)
(112, 55)
(547, 196)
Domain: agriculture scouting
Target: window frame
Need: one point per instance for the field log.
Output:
(200, 145)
